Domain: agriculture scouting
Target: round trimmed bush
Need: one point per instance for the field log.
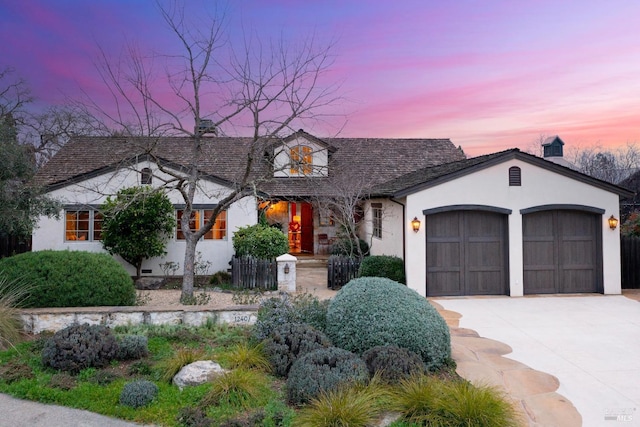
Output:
(323, 370)
(372, 311)
(80, 346)
(71, 279)
(392, 363)
(387, 266)
(277, 311)
(131, 347)
(290, 341)
(138, 393)
(260, 241)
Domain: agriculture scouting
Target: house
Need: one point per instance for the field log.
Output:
(506, 223)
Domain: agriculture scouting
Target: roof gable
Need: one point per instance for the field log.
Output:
(430, 177)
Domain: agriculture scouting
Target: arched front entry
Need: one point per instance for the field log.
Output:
(467, 251)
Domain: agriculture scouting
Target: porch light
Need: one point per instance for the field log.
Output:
(613, 222)
(415, 224)
(286, 269)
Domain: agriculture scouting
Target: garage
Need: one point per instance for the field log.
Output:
(562, 251)
(467, 252)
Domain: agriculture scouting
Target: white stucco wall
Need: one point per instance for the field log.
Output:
(50, 233)
(490, 187)
(320, 158)
(391, 242)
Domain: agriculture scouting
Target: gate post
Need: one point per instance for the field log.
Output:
(286, 273)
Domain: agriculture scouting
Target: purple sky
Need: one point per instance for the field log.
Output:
(490, 75)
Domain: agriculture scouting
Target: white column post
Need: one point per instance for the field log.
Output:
(286, 273)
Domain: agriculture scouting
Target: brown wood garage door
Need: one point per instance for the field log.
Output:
(562, 252)
(466, 253)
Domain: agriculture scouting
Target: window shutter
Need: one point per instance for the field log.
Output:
(515, 176)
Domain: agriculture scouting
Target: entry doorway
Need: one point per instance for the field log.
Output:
(296, 220)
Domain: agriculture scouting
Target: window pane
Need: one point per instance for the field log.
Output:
(194, 223)
(77, 225)
(219, 229)
(97, 225)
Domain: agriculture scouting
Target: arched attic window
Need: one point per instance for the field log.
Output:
(515, 176)
(146, 176)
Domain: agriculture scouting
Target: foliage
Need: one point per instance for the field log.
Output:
(182, 357)
(70, 279)
(373, 311)
(349, 247)
(201, 298)
(290, 341)
(131, 347)
(323, 370)
(220, 278)
(193, 416)
(392, 363)
(63, 381)
(246, 356)
(238, 387)
(80, 346)
(429, 401)
(631, 226)
(277, 311)
(12, 295)
(21, 200)
(259, 241)
(137, 223)
(354, 406)
(391, 267)
(138, 393)
(15, 371)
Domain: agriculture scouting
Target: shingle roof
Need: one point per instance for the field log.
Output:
(379, 159)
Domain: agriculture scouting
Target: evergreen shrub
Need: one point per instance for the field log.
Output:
(132, 347)
(323, 370)
(138, 393)
(277, 311)
(387, 266)
(372, 311)
(290, 341)
(260, 241)
(80, 346)
(392, 363)
(70, 279)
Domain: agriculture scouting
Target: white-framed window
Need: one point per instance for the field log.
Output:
(198, 218)
(146, 176)
(376, 212)
(82, 225)
(301, 160)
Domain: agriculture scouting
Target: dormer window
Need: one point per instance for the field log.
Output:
(301, 160)
(146, 176)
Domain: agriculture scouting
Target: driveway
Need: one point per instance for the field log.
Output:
(591, 343)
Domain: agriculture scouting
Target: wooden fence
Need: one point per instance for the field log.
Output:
(341, 269)
(12, 245)
(630, 262)
(253, 273)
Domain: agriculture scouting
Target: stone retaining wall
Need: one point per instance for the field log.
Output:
(53, 319)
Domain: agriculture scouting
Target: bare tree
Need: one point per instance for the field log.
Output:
(260, 89)
(611, 165)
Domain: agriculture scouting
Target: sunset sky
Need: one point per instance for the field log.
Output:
(489, 74)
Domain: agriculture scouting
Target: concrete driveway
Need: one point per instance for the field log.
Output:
(591, 343)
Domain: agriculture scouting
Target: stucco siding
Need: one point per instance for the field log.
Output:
(50, 232)
(490, 187)
(391, 240)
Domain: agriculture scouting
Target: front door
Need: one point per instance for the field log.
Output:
(301, 228)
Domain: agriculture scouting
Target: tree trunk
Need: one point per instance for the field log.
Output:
(138, 269)
(189, 263)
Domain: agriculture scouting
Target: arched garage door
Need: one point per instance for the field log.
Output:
(562, 252)
(466, 253)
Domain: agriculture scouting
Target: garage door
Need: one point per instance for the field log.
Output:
(562, 252)
(466, 253)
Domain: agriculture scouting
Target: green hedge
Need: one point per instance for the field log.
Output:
(70, 279)
(387, 266)
(260, 241)
(373, 311)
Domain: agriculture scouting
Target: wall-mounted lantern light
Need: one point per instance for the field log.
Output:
(286, 269)
(415, 224)
(613, 222)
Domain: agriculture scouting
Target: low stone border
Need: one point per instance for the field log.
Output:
(53, 319)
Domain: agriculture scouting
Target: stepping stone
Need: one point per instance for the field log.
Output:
(484, 345)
